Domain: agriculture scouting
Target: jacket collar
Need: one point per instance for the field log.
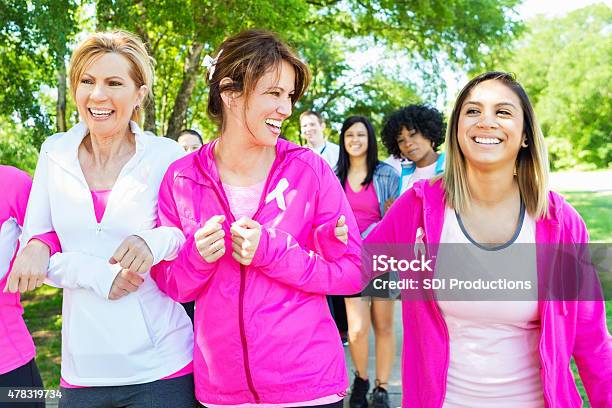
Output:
(432, 198)
(65, 151)
(205, 160)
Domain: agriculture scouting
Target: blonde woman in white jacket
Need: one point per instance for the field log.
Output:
(124, 343)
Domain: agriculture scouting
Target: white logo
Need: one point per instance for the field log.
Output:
(277, 194)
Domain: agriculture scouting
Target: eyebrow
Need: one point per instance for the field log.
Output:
(279, 88)
(497, 104)
(107, 78)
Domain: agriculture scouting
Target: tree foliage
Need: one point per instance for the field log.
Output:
(37, 35)
(564, 65)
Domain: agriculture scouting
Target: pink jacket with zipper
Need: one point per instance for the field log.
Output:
(568, 328)
(263, 332)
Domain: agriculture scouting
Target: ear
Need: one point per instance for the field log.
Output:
(226, 96)
(142, 92)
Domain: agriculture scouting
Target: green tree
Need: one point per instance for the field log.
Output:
(178, 33)
(564, 65)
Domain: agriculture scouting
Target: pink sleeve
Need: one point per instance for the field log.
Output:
(182, 278)
(22, 184)
(51, 240)
(326, 243)
(281, 257)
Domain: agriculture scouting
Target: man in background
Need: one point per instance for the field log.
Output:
(312, 126)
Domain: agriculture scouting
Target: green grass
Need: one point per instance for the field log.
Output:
(596, 210)
(43, 307)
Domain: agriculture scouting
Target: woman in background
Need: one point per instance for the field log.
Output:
(370, 186)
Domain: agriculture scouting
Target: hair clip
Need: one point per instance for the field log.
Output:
(210, 63)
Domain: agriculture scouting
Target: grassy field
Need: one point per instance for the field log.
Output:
(43, 307)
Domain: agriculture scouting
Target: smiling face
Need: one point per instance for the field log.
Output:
(107, 95)
(490, 126)
(268, 105)
(356, 140)
(312, 130)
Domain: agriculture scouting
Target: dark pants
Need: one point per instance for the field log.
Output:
(173, 393)
(189, 309)
(25, 376)
(338, 404)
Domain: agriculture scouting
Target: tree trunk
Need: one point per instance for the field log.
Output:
(181, 103)
(60, 106)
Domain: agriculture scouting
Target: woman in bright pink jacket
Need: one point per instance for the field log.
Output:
(258, 213)
(17, 365)
(492, 197)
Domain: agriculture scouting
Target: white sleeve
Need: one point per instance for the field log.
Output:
(164, 242)
(38, 213)
(72, 270)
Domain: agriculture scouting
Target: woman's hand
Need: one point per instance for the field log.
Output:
(245, 240)
(125, 283)
(209, 239)
(30, 268)
(388, 204)
(133, 254)
(341, 230)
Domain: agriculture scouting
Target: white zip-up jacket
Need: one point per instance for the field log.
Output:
(145, 335)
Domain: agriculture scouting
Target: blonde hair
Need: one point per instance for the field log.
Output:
(531, 162)
(245, 58)
(119, 42)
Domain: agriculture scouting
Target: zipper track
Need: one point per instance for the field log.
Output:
(245, 350)
(243, 269)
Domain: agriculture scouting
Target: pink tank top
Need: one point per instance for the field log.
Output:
(364, 204)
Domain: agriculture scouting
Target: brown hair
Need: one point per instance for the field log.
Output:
(531, 163)
(312, 113)
(245, 58)
(120, 42)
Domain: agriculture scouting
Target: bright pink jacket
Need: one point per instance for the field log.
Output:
(568, 328)
(263, 333)
(15, 340)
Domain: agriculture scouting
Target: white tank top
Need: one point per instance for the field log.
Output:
(494, 357)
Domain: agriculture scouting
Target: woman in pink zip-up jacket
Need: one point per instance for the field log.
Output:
(258, 212)
(493, 197)
(17, 366)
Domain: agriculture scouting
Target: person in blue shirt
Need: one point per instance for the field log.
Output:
(413, 134)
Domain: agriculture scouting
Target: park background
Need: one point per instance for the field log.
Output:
(367, 57)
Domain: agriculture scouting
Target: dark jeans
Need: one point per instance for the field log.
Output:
(173, 393)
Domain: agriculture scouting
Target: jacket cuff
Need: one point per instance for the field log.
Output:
(259, 259)
(51, 240)
(326, 244)
(163, 242)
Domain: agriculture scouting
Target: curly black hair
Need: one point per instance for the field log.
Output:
(424, 119)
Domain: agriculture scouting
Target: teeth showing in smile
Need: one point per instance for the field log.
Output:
(487, 140)
(100, 112)
(275, 123)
